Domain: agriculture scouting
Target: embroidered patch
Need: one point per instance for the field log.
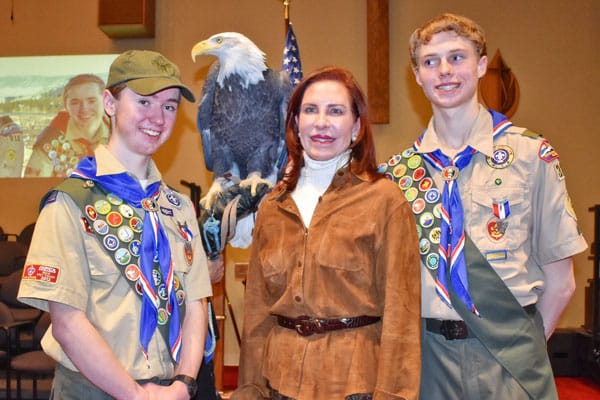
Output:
(547, 152)
(497, 255)
(42, 273)
(502, 157)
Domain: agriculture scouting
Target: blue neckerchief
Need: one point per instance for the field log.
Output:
(154, 249)
(452, 239)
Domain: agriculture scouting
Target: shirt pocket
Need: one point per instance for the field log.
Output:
(500, 215)
(276, 253)
(347, 244)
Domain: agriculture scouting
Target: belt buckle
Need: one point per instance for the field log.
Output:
(306, 326)
(453, 330)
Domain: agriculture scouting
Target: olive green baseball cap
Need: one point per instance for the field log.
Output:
(146, 72)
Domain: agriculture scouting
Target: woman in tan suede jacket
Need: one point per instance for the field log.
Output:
(333, 290)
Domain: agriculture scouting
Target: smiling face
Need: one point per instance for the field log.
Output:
(448, 69)
(326, 122)
(140, 124)
(84, 104)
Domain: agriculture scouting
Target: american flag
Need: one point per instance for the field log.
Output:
(291, 57)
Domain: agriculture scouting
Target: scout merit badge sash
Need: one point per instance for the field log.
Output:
(139, 247)
(490, 311)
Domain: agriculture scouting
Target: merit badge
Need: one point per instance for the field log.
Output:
(125, 234)
(425, 184)
(114, 199)
(432, 261)
(102, 206)
(101, 227)
(136, 224)
(502, 157)
(496, 229)
(432, 196)
(399, 170)
(180, 297)
(122, 256)
(414, 161)
(90, 211)
(111, 242)
(418, 174)
(426, 220)
(163, 316)
(394, 160)
(411, 194)
(450, 173)
(126, 210)
(157, 276)
(114, 219)
(132, 272)
(407, 153)
(405, 182)
(162, 291)
(501, 209)
(424, 246)
(418, 206)
(134, 247)
(435, 235)
(547, 152)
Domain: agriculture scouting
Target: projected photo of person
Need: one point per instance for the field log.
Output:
(73, 133)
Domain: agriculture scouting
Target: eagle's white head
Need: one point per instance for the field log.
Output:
(237, 55)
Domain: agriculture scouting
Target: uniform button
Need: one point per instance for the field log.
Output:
(298, 299)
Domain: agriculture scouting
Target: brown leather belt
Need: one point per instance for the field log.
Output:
(306, 326)
(457, 329)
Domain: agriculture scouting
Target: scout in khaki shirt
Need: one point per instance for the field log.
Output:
(496, 230)
(116, 256)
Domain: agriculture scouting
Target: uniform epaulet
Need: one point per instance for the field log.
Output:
(531, 134)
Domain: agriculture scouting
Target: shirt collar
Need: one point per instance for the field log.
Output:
(480, 137)
(107, 164)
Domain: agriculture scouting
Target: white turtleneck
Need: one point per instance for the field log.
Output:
(315, 178)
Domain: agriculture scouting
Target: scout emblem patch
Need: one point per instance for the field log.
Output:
(502, 157)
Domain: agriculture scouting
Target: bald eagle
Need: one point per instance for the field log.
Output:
(241, 114)
(241, 117)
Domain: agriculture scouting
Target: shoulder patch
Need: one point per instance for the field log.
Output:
(43, 273)
(546, 152)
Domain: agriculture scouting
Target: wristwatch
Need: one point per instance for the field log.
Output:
(192, 386)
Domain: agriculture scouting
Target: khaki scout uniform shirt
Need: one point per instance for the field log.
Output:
(358, 257)
(88, 279)
(541, 227)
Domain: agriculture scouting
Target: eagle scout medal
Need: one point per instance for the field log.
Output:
(187, 235)
(496, 229)
(502, 157)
